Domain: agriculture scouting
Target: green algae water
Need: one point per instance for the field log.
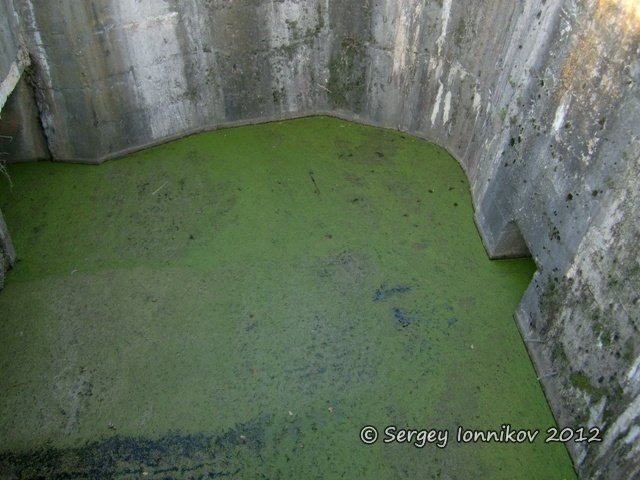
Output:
(241, 303)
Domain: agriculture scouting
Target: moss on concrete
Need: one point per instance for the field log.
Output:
(347, 76)
(242, 302)
(582, 382)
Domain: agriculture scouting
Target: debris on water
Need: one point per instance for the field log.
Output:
(316, 189)
(189, 456)
(401, 317)
(159, 188)
(382, 292)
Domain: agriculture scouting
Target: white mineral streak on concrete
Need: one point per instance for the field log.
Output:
(446, 13)
(38, 46)
(622, 424)
(561, 111)
(436, 104)
(477, 102)
(447, 107)
(399, 44)
(632, 436)
(632, 439)
(404, 45)
(633, 376)
(406, 40)
(456, 72)
(436, 61)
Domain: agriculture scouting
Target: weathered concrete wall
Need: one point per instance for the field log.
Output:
(13, 60)
(538, 100)
(21, 136)
(540, 103)
(116, 75)
(578, 212)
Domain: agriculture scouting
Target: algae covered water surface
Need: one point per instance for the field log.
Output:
(241, 303)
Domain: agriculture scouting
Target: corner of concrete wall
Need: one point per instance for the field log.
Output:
(538, 101)
(569, 174)
(21, 136)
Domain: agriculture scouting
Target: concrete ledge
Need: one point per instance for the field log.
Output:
(342, 115)
(500, 236)
(548, 376)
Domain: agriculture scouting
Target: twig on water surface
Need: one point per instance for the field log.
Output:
(159, 188)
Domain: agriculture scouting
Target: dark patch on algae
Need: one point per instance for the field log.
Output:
(170, 457)
(401, 317)
(239, 304)
(382, 292)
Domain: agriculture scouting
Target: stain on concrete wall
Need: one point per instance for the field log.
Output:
(538, 100)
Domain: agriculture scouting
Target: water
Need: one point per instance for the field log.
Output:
(241, 303)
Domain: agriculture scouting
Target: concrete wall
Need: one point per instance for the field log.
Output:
(11, 58)
(13, 61)
(115, 75)
(21, 136)
(564, 167)
(540, 103)
(538, 100)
